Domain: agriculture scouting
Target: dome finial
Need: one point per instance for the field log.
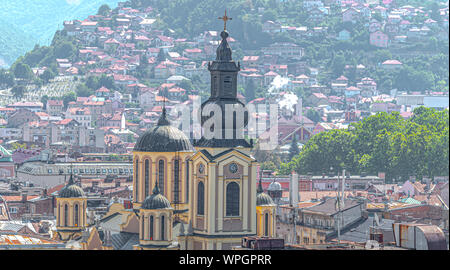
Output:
(225, 18)
(260, 188)
(224, 50)
(71, 182)
(156, 188)
(163, 121)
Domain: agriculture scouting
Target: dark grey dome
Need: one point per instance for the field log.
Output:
(156, 200)
(71, 190)
(262, 198)
(163, 138)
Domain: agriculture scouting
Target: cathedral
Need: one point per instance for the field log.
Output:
(199, 195)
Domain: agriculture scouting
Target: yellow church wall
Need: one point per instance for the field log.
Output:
(215, 220)
(168, 192)
(260, 217)
(71, 202)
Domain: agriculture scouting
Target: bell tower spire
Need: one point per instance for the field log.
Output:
(224, 72)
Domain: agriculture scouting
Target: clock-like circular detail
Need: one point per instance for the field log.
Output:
(233, 168)
(201, 168)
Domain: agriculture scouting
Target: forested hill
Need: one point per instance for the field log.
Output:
(28, 22)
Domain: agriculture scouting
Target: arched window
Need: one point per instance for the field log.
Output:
(66, 215)
(176, 181)
(232, 199)
(187, 181)
(136, 186)
(142, 227)
(147, 178)
(163, 233)
(151, 228)
(76, 215)
(266, 224)
(59, 215)
(200, 198)
(161, 176)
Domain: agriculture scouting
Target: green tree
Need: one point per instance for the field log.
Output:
(84, 91)
(44, 100)
(64, 49)
(47, 75)
(68, 97)
(337, 65)
(187, 85)
(313, 115)
(6, 79)
(104, 10)
(18, 91)
(23, 71)
(293, 150)
(269, 15)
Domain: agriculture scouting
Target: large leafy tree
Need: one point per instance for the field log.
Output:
(381, 143)
(23, 71)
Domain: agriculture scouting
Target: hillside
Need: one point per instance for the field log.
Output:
(21, 28)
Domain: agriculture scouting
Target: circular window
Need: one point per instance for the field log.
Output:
(233, 168)
(201, 168)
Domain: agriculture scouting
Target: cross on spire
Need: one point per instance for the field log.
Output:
(225, 18)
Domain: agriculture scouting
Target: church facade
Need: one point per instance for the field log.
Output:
(192, 196)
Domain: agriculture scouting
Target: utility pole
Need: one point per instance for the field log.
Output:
(339, 210)
(340, 199)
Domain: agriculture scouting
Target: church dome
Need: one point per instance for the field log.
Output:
(274, 186)
(156, 200)
(264, 199)
(163, 138)
(71, 190)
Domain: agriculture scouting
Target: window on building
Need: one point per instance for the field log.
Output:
(147, 177)
(200, 198)
(66, 215)
(76, 215)
(161, 176)
(232, 203)
(163, 233)
(176, 179)
(266, 224)
(187, 180)
(142, 227)
(136, 186)
(151, 228)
